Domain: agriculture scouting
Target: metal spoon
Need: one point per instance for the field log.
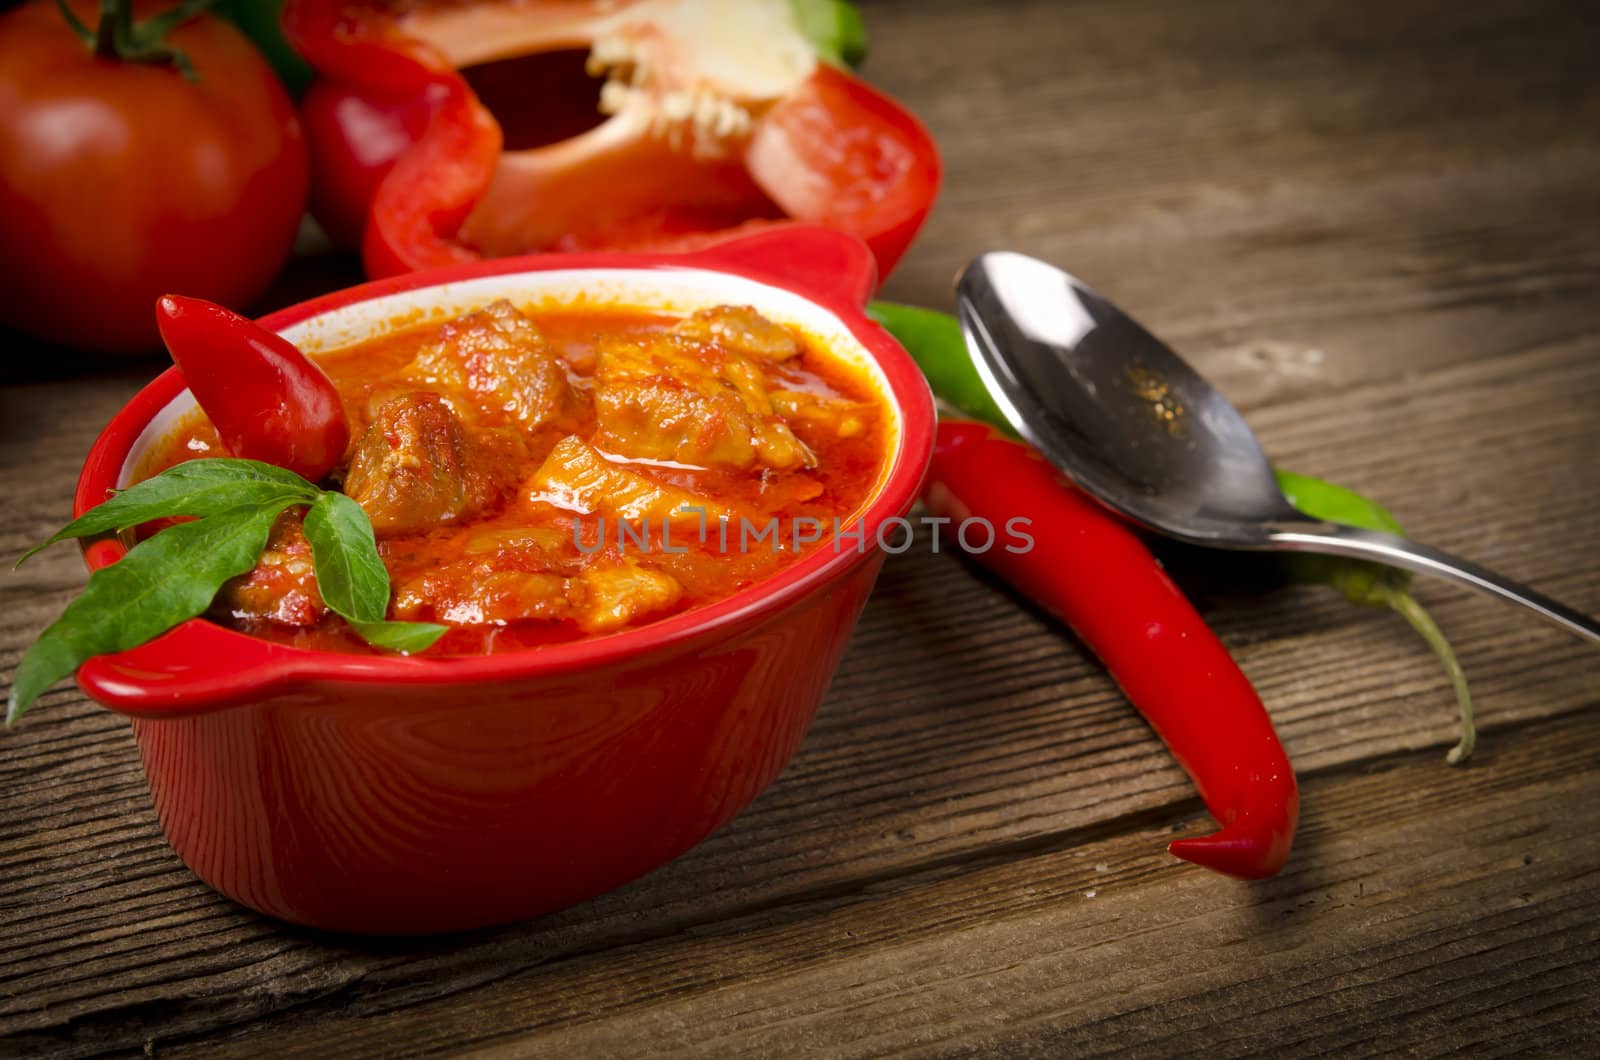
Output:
(1128, 420)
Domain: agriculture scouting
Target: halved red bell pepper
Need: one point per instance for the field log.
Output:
(721, 118)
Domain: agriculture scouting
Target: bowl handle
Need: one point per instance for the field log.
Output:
(808, 259)
(194, 668)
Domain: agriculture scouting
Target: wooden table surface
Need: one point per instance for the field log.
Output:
(1376, 226)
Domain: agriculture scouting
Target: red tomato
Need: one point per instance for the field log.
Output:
(120, 181)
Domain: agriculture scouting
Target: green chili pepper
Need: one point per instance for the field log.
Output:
(935, 342)
(1373, 584)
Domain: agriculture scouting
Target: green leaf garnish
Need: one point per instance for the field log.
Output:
(350, 574)
(352, 578)
(195, 487)
(175, 574)
(166, 579)
(403, 637)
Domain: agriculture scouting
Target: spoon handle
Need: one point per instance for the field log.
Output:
(1335, 539)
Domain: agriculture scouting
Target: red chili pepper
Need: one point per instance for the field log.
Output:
(408, 161)
(267, 400)
(1090, 569)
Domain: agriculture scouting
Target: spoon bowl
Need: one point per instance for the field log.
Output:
(1127, 419)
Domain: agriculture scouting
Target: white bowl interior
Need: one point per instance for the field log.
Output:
(679, 291)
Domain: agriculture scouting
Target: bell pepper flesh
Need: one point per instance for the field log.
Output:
(711, 142)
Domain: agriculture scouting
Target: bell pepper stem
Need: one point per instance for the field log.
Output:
(1414, 613)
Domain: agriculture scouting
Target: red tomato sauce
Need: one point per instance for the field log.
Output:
(525, 474)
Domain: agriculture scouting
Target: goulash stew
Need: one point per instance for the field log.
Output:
(539, 479)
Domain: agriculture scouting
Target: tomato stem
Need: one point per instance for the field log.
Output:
(116, 36)
(116, 23)
(84, 33)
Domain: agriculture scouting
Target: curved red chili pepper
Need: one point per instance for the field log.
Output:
(1090, 569)
(267, 400)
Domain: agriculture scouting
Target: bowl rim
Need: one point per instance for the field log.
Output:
(200, 665)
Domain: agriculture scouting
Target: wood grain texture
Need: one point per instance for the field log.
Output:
(1373, 224)
(1386, 930)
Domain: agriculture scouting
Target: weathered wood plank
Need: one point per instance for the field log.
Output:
(1462, 900)
(1261, 183)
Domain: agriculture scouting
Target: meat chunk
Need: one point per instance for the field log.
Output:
(615, 594)
(541, 543)
(576, 477)
(662, 399)
(740, 329)
(416, 466)
(602, 598)
(283, 586)
(815, 416)
(498, 359)
(476, 593)
(502, 573)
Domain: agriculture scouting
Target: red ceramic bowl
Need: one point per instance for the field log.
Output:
(391, 794)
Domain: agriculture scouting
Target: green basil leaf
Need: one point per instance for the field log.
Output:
(353, 579)
(404, 637)
(350, 573)
(194, 487)
(162, 581)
